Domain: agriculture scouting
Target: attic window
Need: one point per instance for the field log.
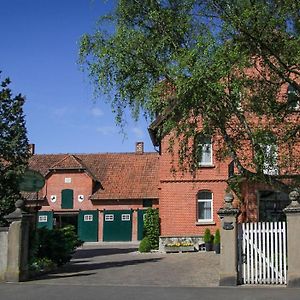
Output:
(68, 180)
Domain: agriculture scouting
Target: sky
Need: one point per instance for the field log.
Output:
(39, 48)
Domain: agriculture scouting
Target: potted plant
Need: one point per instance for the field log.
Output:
(217, 242)
(208, 239)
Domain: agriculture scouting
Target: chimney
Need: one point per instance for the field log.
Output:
(139, 147)
(31, 149)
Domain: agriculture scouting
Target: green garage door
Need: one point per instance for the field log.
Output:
(45, 219)
(88, 225)
(140, 232)
(117, 225)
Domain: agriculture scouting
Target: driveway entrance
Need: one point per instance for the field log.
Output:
(107, 264)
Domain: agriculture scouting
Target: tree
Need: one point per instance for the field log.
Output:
(229, 62)
(14, 150)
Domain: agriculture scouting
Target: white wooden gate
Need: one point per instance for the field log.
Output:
(262, 253)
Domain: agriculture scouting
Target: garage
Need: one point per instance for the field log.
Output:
(45, 219)
(117, 225)
(88, 225)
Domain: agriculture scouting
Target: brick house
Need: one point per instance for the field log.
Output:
(189, 202)
(103, 195)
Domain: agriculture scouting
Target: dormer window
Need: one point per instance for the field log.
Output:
(293, 97)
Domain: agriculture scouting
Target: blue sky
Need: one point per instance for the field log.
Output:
(39, 52)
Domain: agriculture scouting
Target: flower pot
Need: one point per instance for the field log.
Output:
(208, 246)
(217, 248)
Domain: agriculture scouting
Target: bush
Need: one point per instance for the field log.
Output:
(145, 245)
(217, 238)
(42, 264)
(151, 227)
(57, 245)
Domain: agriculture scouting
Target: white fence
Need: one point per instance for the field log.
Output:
(263, 253)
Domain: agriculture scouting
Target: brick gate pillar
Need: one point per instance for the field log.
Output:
(229, 251)
(293, 242)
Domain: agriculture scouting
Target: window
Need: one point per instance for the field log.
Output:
(43, 219)
(203, 148)
(125, 217)
(266, 155)
(88, 218)
(205, 206)
(109, 218)
(293, 97)
(270, 159)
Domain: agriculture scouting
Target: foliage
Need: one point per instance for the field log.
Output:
(41, 264)
(13, 147)
(56, 245)
(145, 245)
(224, 61)
(208, 237)
(217, 238)
(152, 227)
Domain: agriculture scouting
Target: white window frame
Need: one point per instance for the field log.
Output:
(43, 219)
(109, 218)
(199, 200)
(198, 139)
(88, 218)
(125, 217)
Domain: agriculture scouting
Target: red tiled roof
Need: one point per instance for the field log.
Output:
(122, 175)
(68, 162)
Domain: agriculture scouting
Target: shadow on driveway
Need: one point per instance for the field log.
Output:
(93, 252)
(78, 267)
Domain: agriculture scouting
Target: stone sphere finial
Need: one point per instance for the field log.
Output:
(228, 200)
(19, 203)
(294, 195)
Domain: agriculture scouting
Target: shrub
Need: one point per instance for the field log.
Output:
(151, 227)
(217, 238)
(145, 245)
(42, 264)
(57, 245)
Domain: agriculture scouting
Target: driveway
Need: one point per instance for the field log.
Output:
(119, 264)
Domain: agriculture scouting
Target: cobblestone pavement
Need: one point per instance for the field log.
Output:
(114, 264)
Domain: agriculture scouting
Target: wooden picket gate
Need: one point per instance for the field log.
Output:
(262, 253)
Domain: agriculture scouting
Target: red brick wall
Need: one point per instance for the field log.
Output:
(81, 184)
(178, 194)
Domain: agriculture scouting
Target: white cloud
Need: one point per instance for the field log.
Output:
(139, 133)
(106, 130)
(97, 112)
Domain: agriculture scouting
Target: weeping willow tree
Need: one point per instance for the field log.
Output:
(228, 69)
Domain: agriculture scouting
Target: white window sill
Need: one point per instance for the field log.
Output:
(206, 166)
(199, 223)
